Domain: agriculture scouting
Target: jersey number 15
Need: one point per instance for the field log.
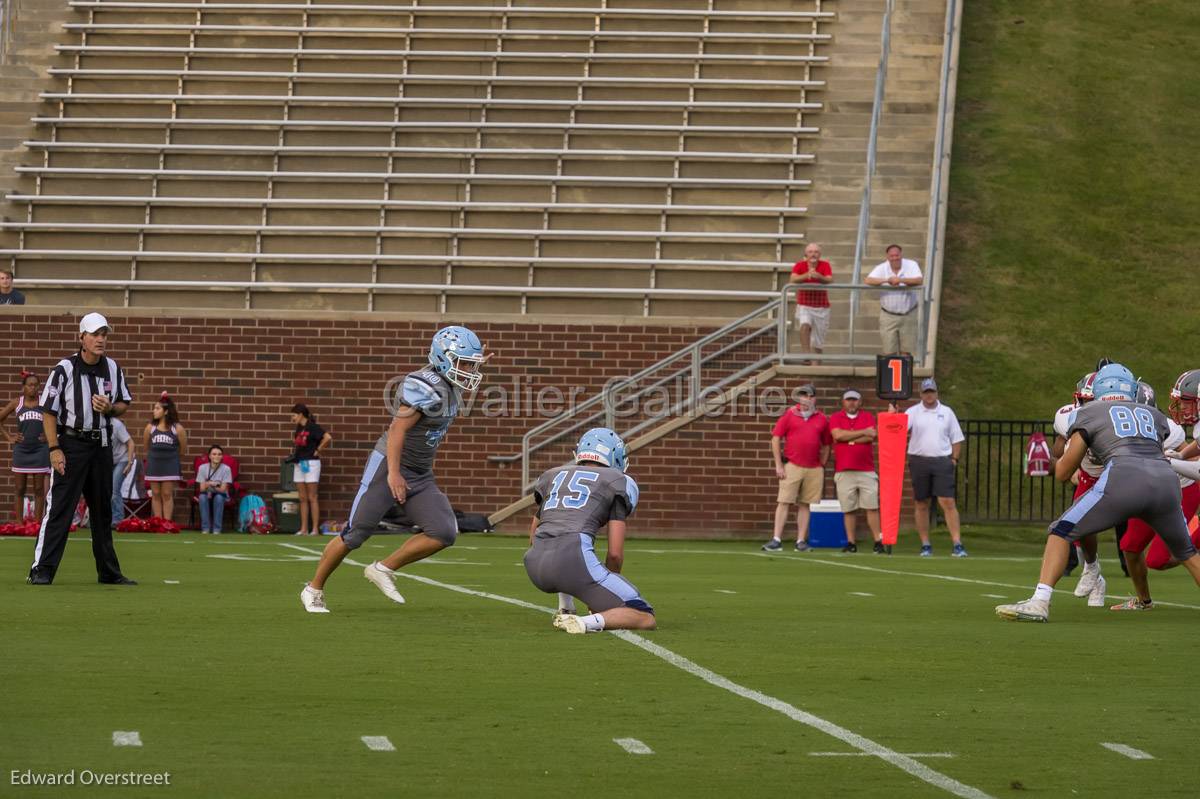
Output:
(578, 488)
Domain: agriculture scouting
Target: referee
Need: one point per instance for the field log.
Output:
(82, 395)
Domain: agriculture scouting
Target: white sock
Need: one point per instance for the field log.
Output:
(566, 602)
(1043, 592)
(1094, 566)
(593, 623)
(379, 565)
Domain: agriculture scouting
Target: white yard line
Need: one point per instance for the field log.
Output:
(859, 593)
(126, 738)
(724, 591)
(1128, 751)
(378, 743)
(171, 582)
(868, 754)
(994, 596)
(633, 746)
(863, 744)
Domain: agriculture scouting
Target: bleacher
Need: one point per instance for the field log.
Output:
(489, 158)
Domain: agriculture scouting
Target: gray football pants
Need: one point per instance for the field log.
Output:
(425, 506)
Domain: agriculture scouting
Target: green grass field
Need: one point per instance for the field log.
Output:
(237, 692)
(1071, 215)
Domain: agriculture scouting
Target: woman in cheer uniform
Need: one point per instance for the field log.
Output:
(164, 438)
(31, 455)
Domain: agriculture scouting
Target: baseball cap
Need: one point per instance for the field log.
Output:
(928, 384)
(809, 389)
(93, 322)
(851, 394)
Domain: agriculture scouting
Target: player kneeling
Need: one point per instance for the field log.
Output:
(573, 503)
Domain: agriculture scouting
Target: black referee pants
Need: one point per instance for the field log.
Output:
(88, 474)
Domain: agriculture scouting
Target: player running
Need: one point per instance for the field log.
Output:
(400, 469)
(573, 503)
(1137, 482)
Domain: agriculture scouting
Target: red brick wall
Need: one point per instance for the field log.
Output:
(235, 380)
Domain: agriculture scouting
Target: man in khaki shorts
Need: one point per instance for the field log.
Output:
(800, 444)
(854, 433)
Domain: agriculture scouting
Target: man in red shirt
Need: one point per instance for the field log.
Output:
(854, 434)
(812, 305)
(800, 466)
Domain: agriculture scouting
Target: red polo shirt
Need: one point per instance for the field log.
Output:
(813, 298)
(856, 457)
(803, 438)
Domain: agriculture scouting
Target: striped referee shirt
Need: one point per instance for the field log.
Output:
(72, 384)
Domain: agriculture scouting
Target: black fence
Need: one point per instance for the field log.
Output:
(992, 483)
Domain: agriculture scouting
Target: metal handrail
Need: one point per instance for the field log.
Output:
(864, 208)
(939, 185)
(8, 14)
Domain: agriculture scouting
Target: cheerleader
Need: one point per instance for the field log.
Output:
(164, 439)
(31, 455)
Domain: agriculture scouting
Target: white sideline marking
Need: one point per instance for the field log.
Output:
(1129, 751)
(724, 591)
(171, 582)
(123, 738)
(862, 743)
(859, 593)
(868, 754)
(994, 596)
(633, 746)
(378, 743)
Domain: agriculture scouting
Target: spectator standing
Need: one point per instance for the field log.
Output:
(9, 295)
(934, 443)
(124, 458)
(165, 439)
(31, 453)
(309, 439)
(897, 317)
(854, 432)
(83, 394)
(212, 484)
(800, 445)
(812, 305)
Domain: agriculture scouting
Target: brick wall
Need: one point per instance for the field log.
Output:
(235, 380)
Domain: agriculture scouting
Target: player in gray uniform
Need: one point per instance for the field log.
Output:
(573, 503)
(1137, 482)
(399, 471)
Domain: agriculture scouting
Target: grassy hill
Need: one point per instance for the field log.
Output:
(1073, 201)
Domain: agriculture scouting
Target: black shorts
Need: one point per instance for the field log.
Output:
(931, 477)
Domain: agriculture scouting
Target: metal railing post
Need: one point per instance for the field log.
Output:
(694, 389)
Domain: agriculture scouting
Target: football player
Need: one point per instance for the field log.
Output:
(573, 503)
(1091, 583)
(399, 470)
(1185, 408)
(1137, 482)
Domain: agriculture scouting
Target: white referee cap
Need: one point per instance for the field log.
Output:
(93, 322)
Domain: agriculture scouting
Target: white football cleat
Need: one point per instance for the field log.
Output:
(1027, 610)
(1087, 582)
(558, 619)
(313, 600)
(573, 624)
(382, 578)
(1096, 598)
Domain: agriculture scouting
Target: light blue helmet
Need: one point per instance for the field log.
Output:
(1115, 382)
(456, 354)
(602, 446)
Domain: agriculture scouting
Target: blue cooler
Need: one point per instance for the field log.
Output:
(826, 526)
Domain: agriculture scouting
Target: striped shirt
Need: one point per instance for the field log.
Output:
(897, 302)
(72, 384)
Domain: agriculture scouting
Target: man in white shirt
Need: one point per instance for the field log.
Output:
(897, 309)
(934, 443)
(124, 454)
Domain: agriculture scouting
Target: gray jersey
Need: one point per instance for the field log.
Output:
(438, 401)
(1121, 429)
(582, 499)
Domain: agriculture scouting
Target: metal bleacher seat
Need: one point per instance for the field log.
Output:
(320, 148)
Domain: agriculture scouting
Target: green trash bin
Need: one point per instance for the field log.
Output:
(287, 511)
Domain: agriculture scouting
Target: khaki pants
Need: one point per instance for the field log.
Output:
(798, 481)
(898, 332)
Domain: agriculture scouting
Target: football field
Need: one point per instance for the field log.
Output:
(772, 675)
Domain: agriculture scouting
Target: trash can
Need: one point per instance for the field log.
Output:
(287, 511)
(826, 526)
